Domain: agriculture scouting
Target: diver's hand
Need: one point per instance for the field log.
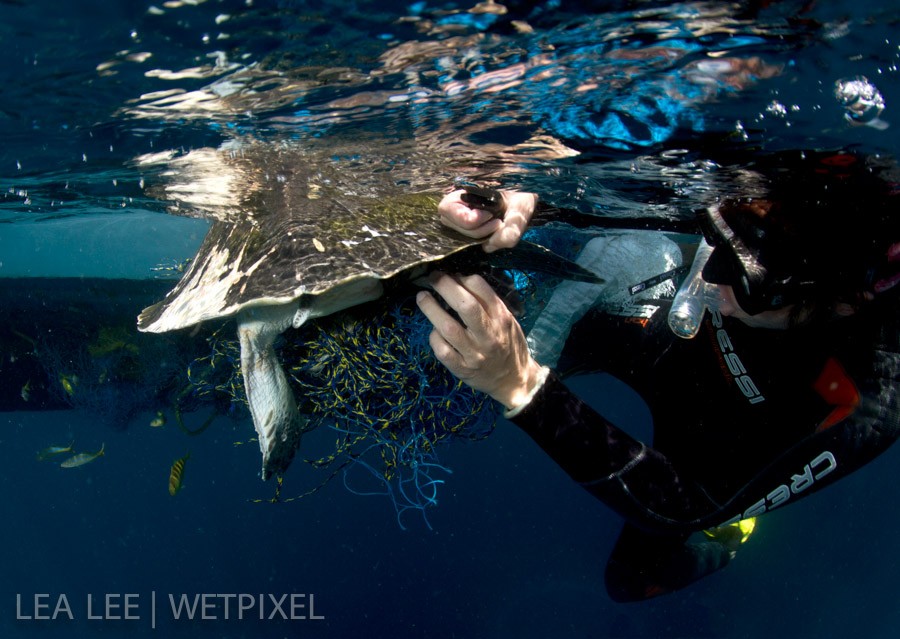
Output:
(487, 350)
(501, 233)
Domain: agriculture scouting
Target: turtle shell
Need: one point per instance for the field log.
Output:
(282, 229)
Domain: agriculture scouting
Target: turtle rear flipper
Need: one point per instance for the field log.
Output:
(279, 424)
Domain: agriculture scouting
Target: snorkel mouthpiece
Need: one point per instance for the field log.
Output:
(694, 297)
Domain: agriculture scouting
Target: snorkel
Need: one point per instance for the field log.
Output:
(693, 297)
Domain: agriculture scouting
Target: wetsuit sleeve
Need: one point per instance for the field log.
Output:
(633, 479)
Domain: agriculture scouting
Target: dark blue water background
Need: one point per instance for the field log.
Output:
(515, 549)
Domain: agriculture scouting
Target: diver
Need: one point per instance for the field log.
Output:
(790, 385)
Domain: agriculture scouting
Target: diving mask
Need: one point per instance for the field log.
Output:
(756, 258)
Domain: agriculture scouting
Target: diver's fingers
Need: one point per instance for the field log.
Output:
(468, 307)
(520, 209)
(451, 346)
(483, 225)
(461, 217)
(447, 355)
(431, 309)
(448, 340)
(507, 236)
(490, 305)
(451, 203)
(468, 334)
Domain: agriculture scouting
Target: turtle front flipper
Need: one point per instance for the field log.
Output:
(279, 424)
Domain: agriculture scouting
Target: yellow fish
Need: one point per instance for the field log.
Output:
(52, 451)
(26, 391)
(82, 458)
(176, 475)
(68, 383)
(159, 420)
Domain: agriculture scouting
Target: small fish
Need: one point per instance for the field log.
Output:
(68, 383)
(159, 420)
(26, 391)
(82, 458)
(176, 475)
(53, 451)
(171, 268)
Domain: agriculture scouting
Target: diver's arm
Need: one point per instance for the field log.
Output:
(633, 479)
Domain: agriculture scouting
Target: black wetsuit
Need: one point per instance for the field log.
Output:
(745, 420)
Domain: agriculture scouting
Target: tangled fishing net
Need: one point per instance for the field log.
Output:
(369, 375)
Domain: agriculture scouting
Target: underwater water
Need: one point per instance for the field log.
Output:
(110, 115)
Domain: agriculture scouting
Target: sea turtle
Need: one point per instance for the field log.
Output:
(292, 238)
